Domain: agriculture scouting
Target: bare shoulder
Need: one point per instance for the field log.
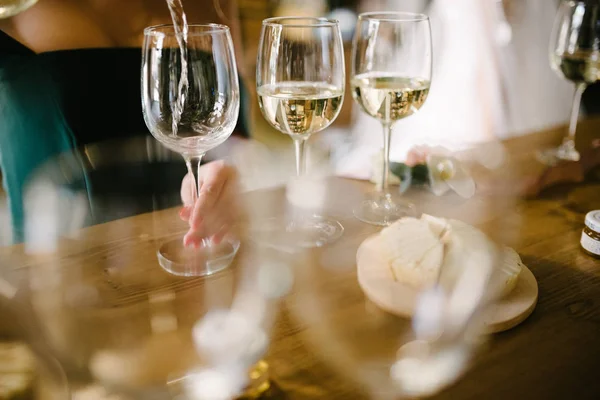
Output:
(57, 25)
(72, 24)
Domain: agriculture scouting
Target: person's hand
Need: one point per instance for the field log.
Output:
(213, 213)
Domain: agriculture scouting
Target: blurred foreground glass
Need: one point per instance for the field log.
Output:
(575, 56)
(9, 8)
(300, 82)
(90, 296)
(95, 301)
(391, 74)
(207, 118)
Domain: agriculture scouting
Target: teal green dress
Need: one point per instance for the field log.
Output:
(32, 126)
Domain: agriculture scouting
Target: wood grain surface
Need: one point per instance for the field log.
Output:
(323, 330)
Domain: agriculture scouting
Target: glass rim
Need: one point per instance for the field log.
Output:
(207, 29)
(318, 22)
(393, 16)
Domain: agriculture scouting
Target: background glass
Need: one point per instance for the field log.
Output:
(575, 56)
(391, 74)
(208, 117)
(300, 82)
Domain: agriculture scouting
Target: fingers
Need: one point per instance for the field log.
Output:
(195, 238)
(215, 177)
(215, 210)
(185, 213)
(216, 224)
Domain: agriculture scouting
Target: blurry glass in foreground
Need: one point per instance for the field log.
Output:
(9, 8)
(575, 56)
(300, 85)
(27, 371)
(94, 298)
(401, 312)
(391, 75)
(191, 116)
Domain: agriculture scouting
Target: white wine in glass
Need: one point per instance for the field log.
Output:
(300, 108)
(389, 98)
(581, 66)
(391, 74)
(300, 85)
(575, 56)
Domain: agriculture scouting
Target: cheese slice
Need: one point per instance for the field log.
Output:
(414, 250)
(510, 270)
(431, 250)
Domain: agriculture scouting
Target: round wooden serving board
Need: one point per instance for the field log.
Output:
(376, 280)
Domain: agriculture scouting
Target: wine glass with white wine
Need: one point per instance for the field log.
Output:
(575, 56)
(391, 74)
(300, 84)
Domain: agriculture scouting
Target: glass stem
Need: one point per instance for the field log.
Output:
(579, 89)
(385, 173)
(299, 147)
(195, 174)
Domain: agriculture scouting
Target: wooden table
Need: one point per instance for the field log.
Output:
(552, 355)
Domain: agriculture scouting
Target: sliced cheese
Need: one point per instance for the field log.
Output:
(414, 251)
(510, 270)
(431, 250)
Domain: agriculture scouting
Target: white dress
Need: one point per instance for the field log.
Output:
(488, 81)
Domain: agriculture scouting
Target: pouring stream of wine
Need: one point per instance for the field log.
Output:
(181, 32)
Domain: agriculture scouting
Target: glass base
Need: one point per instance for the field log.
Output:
(565, 152)
(384, 210)
(305, 232)
(205, 260)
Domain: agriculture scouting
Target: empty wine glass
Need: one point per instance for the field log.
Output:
(193, 120)
(575, 56)
(391, 74)
(300, 84)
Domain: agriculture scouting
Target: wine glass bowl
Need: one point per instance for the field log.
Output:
(300, 86)
(191, 101)
(300, 75)
(391, 75)
(212, 101)
(575, 56)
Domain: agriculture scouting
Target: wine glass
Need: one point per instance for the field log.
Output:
(575, 56)
(300, 84)
(192, 120)
(391, 74)
(96, 307)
